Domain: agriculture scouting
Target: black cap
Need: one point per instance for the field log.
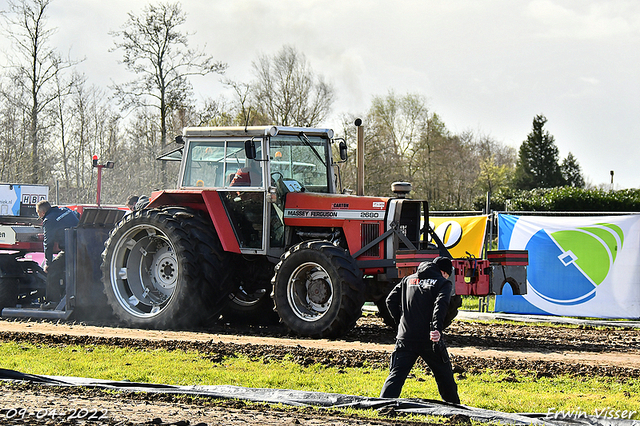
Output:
(444, 263)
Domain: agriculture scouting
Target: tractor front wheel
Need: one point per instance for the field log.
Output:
(318, 289)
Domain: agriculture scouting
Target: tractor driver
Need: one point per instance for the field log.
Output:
(250, 175)
(54, 221)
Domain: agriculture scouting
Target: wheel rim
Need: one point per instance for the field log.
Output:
(310, 291)
(144, 271)
(244, 299)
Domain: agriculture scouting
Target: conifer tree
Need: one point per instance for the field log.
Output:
(537, 165)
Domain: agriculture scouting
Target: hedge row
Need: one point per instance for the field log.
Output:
(565, 199)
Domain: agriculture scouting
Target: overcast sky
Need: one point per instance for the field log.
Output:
(485, 65)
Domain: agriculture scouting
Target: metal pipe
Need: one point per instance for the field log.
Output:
(99, 184)
(359, 157)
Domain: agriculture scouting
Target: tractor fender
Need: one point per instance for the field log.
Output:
(204, 200)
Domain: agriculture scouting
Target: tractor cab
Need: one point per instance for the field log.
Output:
(252, 170)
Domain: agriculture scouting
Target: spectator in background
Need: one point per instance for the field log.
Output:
(137, 202)
(143, 201)
(131, 202)
(54, 221)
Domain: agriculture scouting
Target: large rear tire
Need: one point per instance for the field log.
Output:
(164, 268)
(9, 292)
(11, 273)
(318, 290)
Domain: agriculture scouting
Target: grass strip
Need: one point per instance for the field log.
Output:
(502, 390)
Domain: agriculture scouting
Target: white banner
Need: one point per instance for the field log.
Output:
(21, 200)
(578, 266)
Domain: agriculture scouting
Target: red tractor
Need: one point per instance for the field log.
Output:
(257, 225)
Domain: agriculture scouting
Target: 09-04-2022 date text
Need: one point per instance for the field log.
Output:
(53, 414)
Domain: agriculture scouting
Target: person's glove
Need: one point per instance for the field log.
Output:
(439, 347)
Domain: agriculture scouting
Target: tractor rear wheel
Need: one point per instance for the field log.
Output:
(318, 289)
(11, 272)
(8, 292)
(164, 268)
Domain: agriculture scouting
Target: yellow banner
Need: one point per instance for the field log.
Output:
(461, 234)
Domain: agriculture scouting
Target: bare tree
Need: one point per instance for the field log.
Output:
(404, 140)
(35, 65)
(214, 112)
(287, 92)
(245, 113)
(92, 127)
(65, 116)
(157, 51)
(14, 141)
(494, 162)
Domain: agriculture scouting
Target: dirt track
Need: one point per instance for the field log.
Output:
(474, 346)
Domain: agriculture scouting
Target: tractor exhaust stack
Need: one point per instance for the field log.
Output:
(359, 157)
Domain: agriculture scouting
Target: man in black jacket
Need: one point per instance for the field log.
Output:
(54, 221)
(418, 305)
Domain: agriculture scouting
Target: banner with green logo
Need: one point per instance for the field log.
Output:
(578, 266)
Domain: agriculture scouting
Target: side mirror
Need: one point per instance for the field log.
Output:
(250, 149)
(343, 150)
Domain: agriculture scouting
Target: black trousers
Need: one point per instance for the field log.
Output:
(405, 356)
(55, 278)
